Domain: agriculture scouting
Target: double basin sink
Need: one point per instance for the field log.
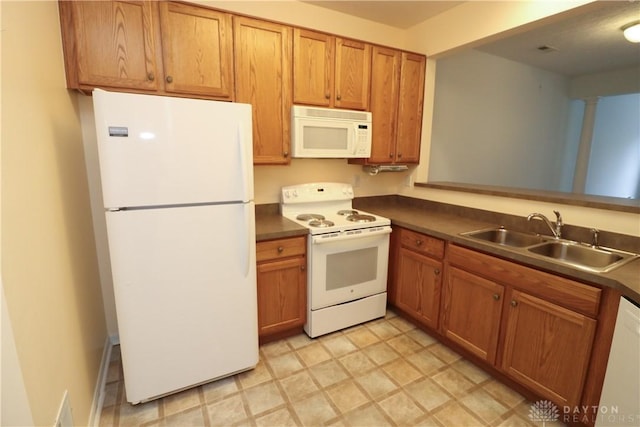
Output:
(567, 252)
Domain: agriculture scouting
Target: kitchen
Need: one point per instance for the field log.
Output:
(50, 271)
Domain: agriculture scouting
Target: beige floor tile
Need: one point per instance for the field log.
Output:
(363, 337)
(381, 353)
(428, 394)
(280, 418)
(347, 396)
(275, 348)
(181, 401)
(313, 354)
(376, 383)
(471, 371)
(314, 410)
(134, 415)
(421, 337)
(504, 394)
(402, 372)
(356, 363)
(328, 373)
(453, 381)
(400, 323)
(368, 416)
(190, 418)
(404, 345)
(284, 365)
(299, 341)
(455, 415)
(108, 416)
(484, 406)
(515, 421)
(428, 421)
(227, 411)
(444, 353)
(220, 389)
(263, 398)
(111, 394)
(426, 362)
(401, 408)
(383, 329)
(260, 374)
(339, 345)
(298, 386)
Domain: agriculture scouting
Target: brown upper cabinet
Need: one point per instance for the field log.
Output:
(330, 71)
(163, 47)
(397, 95)
(262, 52)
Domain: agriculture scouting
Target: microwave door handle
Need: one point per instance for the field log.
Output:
(355, 139)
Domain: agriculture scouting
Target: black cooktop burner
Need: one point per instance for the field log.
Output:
(307, 217)
(321, 223)
(361, 218)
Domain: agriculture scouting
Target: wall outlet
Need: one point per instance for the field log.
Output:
(65, 417)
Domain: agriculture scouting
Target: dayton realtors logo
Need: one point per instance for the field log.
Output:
(544, 411)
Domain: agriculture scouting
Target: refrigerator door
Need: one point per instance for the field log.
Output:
(185, 289)
(159, 151)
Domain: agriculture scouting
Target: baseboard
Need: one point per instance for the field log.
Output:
(98, 393)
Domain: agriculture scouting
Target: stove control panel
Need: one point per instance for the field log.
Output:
(317, 192)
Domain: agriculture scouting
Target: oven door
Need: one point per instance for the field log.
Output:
(347, 267)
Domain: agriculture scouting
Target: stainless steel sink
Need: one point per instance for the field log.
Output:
(596, 259)
(502, 236)
(567, 252)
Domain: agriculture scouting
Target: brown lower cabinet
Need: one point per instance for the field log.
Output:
(282, 287)
(548, 334)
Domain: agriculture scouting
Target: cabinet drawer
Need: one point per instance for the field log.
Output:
(281, 248)
(421, 243)
(567, 293)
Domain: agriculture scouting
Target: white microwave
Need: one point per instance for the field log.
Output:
(330, 133)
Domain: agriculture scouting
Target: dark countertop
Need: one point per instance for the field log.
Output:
(447, 222)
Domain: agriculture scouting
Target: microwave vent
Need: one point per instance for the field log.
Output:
(332, 113)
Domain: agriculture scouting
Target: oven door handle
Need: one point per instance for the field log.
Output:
(349, 235)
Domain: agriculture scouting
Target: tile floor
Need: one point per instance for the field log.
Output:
(382, 373)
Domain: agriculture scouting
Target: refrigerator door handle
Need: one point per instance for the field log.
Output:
(246, 247)
(245, 162)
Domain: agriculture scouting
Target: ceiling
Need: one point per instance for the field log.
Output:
(583, 43)
(399, 14)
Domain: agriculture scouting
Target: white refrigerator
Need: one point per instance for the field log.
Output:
(177, 184)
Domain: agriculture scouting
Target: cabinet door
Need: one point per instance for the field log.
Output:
(410, 104)
(418, 287)
(282, 295)
(109, 44)
(472, 309)
(547, 347)
(385, 81)
(196, 50)
(313, 56)
(263, 79)
(353, 74)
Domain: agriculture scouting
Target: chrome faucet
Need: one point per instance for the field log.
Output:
(557, 230)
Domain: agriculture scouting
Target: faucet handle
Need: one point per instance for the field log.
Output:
(558, 217)
(594, 240)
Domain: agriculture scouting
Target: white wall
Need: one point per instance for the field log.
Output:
(502, 110)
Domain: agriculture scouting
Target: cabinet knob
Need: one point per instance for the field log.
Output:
(514, 303)
(391, 155)
(399, 155)
(327, 95)
(496, 297)
(151, 77)
(280, 249)
(338, 97)
(169, 79)
(418, 242)
(436, 271)
(303, 268)
(285, 154)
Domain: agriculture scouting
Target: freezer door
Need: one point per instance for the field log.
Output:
(185, 289)
(157, 150)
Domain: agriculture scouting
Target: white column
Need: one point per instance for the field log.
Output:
(584, 150)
